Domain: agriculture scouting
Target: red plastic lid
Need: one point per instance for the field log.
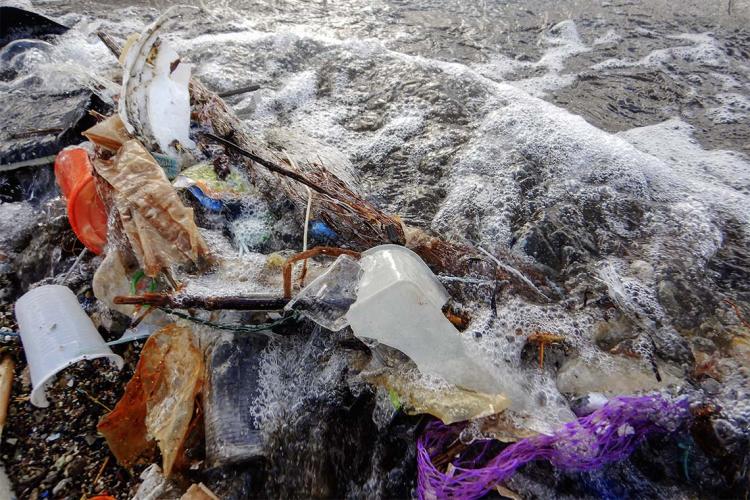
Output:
(86, 210)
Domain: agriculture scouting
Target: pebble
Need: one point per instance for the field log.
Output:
(61, 486)
(26, 378)
(76, 467)
(711, 386)
(60, 462)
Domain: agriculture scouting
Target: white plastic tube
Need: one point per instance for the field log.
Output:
(56, 333)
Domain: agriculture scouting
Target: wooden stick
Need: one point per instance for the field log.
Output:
(101, 470)
(6, 384)
(257, 303)
(110, 43)
(241, 90)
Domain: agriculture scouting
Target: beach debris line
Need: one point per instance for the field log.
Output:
(161, 191)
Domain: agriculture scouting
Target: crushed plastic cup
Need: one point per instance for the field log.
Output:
(399, 304)
(56, 333)
(327, 299)
(86, 210)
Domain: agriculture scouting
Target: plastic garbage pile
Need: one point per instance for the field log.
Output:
(301, 342)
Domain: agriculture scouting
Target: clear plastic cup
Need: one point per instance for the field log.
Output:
(56, 333)
(399, 304)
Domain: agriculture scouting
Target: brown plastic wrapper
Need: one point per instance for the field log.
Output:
(160, 404)
(109, 134)
(160, 229)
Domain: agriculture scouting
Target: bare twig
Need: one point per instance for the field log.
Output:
(32, 133)
(257, 303)
(92, 398)
(110, 43)
(241, 90)
(514, 272)
(272, 166)
(6, 384)
(74, 266)
(101, 470)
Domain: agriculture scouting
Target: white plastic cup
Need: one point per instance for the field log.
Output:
(56, 333)
(399, 304)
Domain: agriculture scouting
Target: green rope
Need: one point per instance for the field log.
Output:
(232, 327)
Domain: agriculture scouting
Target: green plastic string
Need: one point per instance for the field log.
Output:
(232, 327)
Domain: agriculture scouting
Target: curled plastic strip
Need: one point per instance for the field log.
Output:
(606, 435)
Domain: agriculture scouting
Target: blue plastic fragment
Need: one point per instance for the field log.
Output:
(171, 166)
(206, 201)
(320, 231)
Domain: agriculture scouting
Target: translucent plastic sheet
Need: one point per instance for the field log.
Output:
(159, 404)
(160, 228)
(449, 404)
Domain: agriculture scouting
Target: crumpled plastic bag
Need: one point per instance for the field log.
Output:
(159, 406)
(109, 134)
(450, 404)
(110, 280)
(161, 230)
(199, 492)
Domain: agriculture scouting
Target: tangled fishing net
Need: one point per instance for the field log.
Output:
(606, 435)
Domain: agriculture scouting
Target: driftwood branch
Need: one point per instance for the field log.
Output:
(6, 384)
(272, 166)
(251, 303)
(241, 90)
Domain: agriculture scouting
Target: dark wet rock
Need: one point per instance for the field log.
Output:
(323, 448)
(611, 333)
(61, 486)
(25, 144)
(731, 264)
(320, 425)
(703, 345)
(555, 244)
(19, 23)
(52, 249)
(622, 376)
(688, 304)
(18, 222)
(726, 446)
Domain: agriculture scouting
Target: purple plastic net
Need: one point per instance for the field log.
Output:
(608, 434)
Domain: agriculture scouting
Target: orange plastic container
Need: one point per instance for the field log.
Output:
(86, 210)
